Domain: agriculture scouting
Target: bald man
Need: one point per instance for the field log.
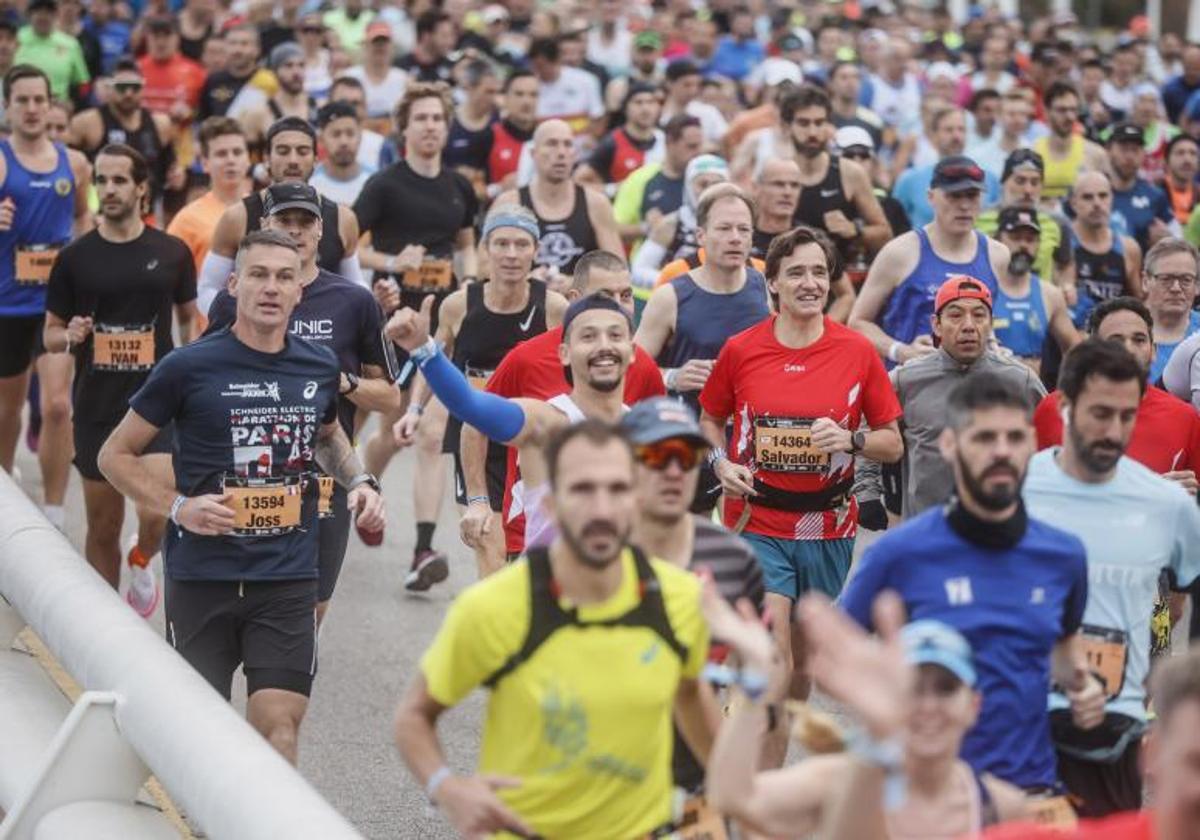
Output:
(572, 220)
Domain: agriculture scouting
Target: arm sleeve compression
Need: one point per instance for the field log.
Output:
(498, 418)
(214, 275)
(647, 264)
(350, 269)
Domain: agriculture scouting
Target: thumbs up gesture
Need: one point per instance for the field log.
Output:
(409, 329)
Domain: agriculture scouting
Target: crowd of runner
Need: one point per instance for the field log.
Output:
(776, 346)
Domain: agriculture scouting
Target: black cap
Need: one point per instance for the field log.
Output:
(1127, 132)
(1015, 218)
(662, 418)
(338, 110)
(34, 5)
(680, 69)
(1022, 159)
(588, 303)
(636, 89)
(957, 173)
(292, 195)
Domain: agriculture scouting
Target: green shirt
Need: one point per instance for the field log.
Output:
(58, 55)
(1053, 249)
(350, 31)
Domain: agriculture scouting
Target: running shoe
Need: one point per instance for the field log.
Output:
(428, 567)
(143, 593)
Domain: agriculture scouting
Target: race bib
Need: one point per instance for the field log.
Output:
(478, 377)
(1107, 651)
(1055, 811)
(264, 507)
(431, 275)
(700, 822)
(122, 348)
(32, 264)
(784, 444)
(324, 496)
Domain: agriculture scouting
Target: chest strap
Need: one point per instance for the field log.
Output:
(546, 615)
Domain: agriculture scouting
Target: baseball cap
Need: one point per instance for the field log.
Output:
(776, 71)
(378, 29)
(790, 42)
(941, 69)
(586, 304)
(849, 136)
(289, 51)
(680, 69)
(662, 418)
(1014, 218)
(291, 196)
(929, 642)
(1022, 159)
(331, 111)
(961, 287)
(1127, 132)
(647, 39)
(957, 173)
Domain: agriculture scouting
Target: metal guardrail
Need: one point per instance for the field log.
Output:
(75, 772)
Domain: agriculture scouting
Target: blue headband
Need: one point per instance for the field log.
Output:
(503, 218)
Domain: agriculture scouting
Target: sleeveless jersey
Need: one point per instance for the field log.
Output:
(627, 157)
(819, 199)
(277, 112)
(505, 155)
(145, 139)
(911, 304)
(540, 529)
(329, 250)
(563, 241)
(465, 146)
(684, 242)
(1060, 173)
(1020, 324)
(1099, 276)
(45, 213)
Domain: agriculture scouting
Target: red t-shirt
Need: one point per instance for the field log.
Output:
(1166, 434)
(167, 82)
(774, 393)
(1136, 825)
(532, 370)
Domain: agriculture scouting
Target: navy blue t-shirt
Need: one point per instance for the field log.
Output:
(243, 417)
(1012, 605)
(343, 316)
(1135, 209)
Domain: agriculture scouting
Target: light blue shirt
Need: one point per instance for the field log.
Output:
(1163, 351)
(912, 191)
(1133, 526)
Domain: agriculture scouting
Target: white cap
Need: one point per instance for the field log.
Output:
(775, 71)
(494, 13)
(941, 68)
(853, 135)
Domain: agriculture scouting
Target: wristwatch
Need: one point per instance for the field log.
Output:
(858, 442)
(367, 479)
(351, 384)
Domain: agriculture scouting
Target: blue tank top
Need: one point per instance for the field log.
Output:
(1098, 277)
(705, 321)
(911, 303)
(42, 221)
(1020, 324)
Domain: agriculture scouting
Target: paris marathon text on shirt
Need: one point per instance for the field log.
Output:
(246, 424)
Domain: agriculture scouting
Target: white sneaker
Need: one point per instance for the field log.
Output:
(143, 594)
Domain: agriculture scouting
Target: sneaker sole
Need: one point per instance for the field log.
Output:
(434, 570)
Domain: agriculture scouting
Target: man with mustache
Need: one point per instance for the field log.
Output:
(1134, 524)
(589, 649)
(1015, 587)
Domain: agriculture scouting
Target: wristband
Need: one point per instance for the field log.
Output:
(424, 353)
(439, 776)
(894, 352)
(716, 454)
(487, 500)
(367, 479)
(888, 756)
(175, 506)
(390, 265)
(415, 408)
(669, 377)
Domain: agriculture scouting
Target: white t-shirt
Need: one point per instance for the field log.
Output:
(712, 121)
(382, 97)
(899, 107)
(574, 96)
(343, 192)
(369, 149)
(612, 55)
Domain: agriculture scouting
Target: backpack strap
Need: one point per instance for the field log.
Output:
(651, 610)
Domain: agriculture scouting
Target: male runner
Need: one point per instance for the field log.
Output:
(1140, 209)
(291, 156)
(1134, 524)
(1107, 263)
(777, 191)
(340, 176)
(512, 132)
(1065, 152)
(289, 100)
(123, 119)
(895, 303)
(533, 370)
(225, 159)
(635, 143)
(344, 317)
(420, 218)
(109, 302)
(1169, 275)
(605, 732)
(797, 387)
(1028, 310)
(254, 411)
(471, 129)
(43, 203)
(573, 220)
(656, 189)
(1013, 586)
(477, 327)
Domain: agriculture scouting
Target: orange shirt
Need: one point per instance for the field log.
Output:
(195, 223)
(685, 264)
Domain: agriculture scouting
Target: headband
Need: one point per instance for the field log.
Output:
(507, 218)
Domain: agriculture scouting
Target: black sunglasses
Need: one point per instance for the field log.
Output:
(127, 87)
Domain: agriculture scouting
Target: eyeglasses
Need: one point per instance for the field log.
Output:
(1183, 281)
(657, 456)
(127, 87)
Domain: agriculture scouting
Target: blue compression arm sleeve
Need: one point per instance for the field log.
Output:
(498, 418)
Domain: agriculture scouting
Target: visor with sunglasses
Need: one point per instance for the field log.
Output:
(957, 174)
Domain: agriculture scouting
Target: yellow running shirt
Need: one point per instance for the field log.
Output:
(1060, 173)
(585, 721)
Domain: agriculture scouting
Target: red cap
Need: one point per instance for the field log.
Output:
(378, 29)
(960, 287)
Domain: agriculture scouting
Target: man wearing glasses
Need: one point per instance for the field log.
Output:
(1169, 277)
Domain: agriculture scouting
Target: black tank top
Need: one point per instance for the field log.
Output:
(563, 241)
(685, 244)
(819, 199)
(277, 112)
(144, 139)
(1101, 276)
(761, 243)
(329, 250)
